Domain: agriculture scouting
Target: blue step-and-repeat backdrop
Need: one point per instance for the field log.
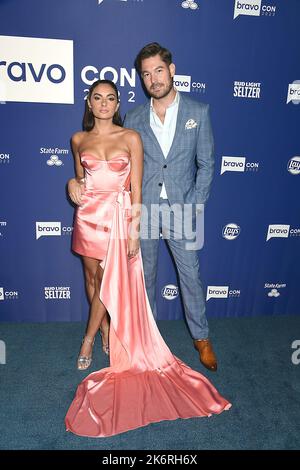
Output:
(240, 56)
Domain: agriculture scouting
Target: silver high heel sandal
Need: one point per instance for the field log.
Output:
(84, 362)
(105, 347)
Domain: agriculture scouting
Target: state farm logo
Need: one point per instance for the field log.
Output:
(294, 92)
(54, 155)
(221, 292)
(189, 4)
(57, 293)
(54, 161)
(36, 70)
(169, 292)
(51, 229)
(274, 292)
(231, 231)
(294, 166)
(237, 164)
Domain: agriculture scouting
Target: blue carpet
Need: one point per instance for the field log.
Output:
(255, 373)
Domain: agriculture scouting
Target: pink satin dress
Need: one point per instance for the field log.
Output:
(145, 382)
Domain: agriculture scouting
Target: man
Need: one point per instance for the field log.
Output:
(178, 169)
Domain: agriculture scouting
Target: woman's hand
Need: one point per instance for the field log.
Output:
(133, 247)
(75, 190)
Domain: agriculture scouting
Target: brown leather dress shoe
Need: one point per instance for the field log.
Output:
(206, 354)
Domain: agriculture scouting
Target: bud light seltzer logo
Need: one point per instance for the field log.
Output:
(246, 89)
(36, 70)
(294, 166)
(169, 292)
(57, 292)
(231, 231)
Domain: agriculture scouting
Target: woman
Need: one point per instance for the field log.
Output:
(103, 139)
(145, 383)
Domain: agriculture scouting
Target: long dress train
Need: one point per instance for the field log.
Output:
(145, 382)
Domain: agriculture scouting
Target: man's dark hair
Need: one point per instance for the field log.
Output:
(150, 50)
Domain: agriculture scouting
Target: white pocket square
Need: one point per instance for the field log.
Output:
(190, 124)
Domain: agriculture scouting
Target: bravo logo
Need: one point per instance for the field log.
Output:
(47, 229)
(251, 7)
(231, 231)
(221, 292)
(237, 164)
(36, 70)
(169, 292)
(182, 82)
(217, 292)
(233, 164)
(8, 295)
(294, 92)
(278, 231)
(101, 1)
(294, 166)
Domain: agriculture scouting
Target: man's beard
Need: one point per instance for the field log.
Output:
(165, 92)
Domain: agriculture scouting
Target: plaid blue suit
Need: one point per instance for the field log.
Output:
(187, 173)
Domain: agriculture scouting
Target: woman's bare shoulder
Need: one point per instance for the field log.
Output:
(132, 136)
(78, 137)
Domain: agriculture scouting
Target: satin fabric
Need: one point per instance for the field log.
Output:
(145, 382)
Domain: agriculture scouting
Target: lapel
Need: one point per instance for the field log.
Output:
(179, 126)
(147, 128)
